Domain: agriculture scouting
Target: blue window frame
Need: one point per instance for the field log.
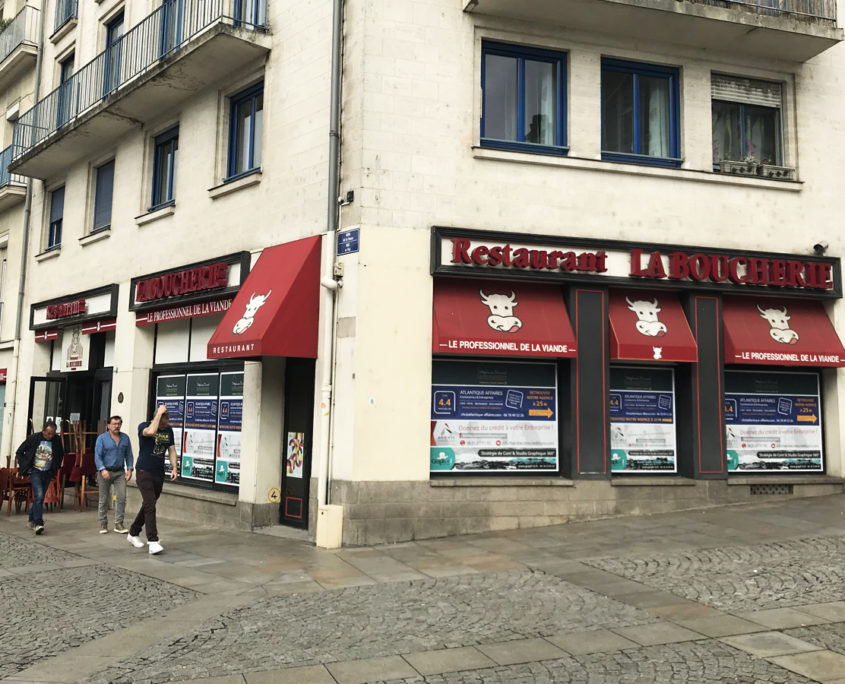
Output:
(523, 101)
(164, 168)
(172, 18)
(57, 209)
(113, 54)
(245, 128)
(65, 11)
(64, 104)
(251, 13)
(103, 191)
(640, 120)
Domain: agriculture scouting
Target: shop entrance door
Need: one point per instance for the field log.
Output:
(299, 420)
(46, 402)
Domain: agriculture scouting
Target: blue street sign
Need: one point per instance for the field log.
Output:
(348, 241)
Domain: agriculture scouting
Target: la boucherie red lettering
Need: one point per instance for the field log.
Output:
(182, 282)
(742, 270)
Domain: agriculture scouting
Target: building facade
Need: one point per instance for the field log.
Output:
(585, 260)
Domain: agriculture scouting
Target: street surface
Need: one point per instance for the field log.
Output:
(738, 594)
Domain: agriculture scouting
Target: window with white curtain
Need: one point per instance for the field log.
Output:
(640, 106)
(523, 98)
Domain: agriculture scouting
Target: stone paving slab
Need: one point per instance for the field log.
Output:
(830, 637)
(593, 641)
(521, 651)
(782, 618)
(767, 644)
(822, 666)
(448, 660)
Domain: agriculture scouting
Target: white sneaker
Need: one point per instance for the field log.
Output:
(137, 543)
(155, 547)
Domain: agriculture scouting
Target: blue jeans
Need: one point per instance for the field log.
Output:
(40, 479)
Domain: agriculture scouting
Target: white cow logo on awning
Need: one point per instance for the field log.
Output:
(256, 301)
(778, 319)
(501, 317)
(647, 322)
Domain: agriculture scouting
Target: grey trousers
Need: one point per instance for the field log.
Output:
(118, 481)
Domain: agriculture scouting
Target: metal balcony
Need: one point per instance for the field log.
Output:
(134, 80)
(790, 30)
(12, 185)
(19, 44)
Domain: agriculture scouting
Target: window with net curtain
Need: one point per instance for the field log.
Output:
(523, 98)
(640, 106)
(746, 116)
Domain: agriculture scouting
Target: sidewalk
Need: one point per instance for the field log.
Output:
(746, 593)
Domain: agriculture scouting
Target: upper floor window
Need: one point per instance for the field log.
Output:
(746, 120)
(164, 167)
(245, 127)
(64, 96)
(57, 210)
(113, 54)
(640, 105)
(103, 190)
(523, 99)
(65, 11)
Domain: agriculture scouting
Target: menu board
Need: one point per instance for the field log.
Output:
(773, 422)
(198, 448)
(227, 469)
(493, 417)
(642, 420)
(170, 391)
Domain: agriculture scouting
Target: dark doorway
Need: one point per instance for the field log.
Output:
(297, 440)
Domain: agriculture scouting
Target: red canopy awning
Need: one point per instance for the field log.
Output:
(649, 326)
(275, 311)
(500, 319)
(781, 332)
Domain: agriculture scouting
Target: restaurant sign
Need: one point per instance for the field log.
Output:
(79, 308)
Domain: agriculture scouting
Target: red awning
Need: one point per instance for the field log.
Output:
(275, 311)
(500, 319)
(649, 326)
(780, 332)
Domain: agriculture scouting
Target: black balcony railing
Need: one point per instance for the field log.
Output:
(160, 35)
(7, 178)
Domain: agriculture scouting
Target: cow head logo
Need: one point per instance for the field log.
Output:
(501, 317)
(647, 323)
(778, 320)
(256, 301)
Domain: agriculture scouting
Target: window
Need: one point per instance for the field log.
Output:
(251, 13)
(164, 168)
(65, 11)
(104, 186)
(64, 104)
(746, 120)
(113, 54)
(57, 208)
(640, 120)
(245, 131)
(523, 99)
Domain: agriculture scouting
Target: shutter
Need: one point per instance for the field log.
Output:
(746, 91)
(57, 204)
(103, 195)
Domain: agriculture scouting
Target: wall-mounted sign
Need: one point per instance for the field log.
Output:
(458, 251)
(182, 282)
(82, 307)
(348, 241)
(75, 350)
(175, 313)
(66, 309)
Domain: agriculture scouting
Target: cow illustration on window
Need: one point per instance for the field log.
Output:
(501, 307)
(256, 301)
(778, 320)
(647, 322)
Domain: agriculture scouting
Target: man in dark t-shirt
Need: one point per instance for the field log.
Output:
(155, 440)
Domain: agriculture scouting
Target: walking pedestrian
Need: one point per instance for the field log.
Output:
(113, 457)
(40, 457)
(155, 439)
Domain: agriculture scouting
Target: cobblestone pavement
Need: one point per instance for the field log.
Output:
(752, 594)
(49, 608)
(741, 578)
(382, 620)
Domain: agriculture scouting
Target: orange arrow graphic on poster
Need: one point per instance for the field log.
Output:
(808, 419)
(547, 412)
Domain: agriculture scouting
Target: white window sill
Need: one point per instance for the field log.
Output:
(49, 254)
(702, 176)
(235, 185)
(151, 216)
(64, 29)
(101, 234)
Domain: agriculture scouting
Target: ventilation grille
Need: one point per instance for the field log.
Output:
(780, 489)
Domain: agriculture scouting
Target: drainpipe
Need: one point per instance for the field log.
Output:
(329, 518)
(27, 214)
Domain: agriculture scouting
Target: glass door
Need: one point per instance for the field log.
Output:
(46, 402)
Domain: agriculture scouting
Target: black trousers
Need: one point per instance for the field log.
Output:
(150, 487)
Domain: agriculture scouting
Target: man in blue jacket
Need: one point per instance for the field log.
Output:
(113, 457)
(39, 458)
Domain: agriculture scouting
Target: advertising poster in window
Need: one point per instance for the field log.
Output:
(642, 420)
(227, 469)
(493, 417)
(75, 349)
(295, 454)
(170, 391)
(773, 422)
(198, 446)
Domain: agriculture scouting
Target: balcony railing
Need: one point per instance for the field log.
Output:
(65, 11)
(22, 29)
(814, 9)
(5, 177)
(160, 35)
